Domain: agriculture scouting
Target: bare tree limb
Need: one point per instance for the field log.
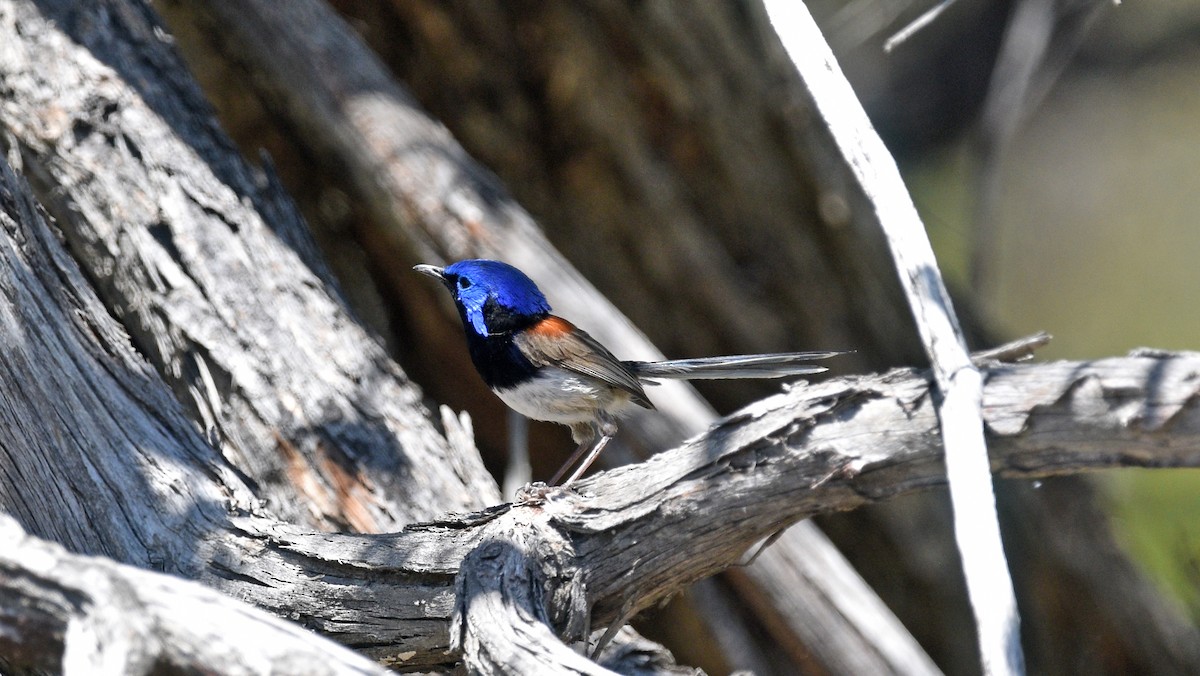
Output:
(976, 525)
(841, 444)
(65, 613)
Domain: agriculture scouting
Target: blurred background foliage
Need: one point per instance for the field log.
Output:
(1088, 209)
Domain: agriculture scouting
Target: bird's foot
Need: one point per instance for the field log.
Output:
(533, 493)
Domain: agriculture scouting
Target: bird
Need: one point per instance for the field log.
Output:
(546, 368)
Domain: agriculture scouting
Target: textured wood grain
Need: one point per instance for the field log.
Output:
(65, 613)
(841, 444)
(210, 268)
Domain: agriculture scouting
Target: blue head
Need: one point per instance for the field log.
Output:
(492, 297)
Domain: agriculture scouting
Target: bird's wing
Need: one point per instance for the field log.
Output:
(557, 342)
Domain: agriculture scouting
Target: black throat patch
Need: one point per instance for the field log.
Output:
(495, 355)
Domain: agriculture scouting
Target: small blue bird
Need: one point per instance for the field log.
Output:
(546, 368)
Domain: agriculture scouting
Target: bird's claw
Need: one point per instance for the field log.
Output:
(533, 493)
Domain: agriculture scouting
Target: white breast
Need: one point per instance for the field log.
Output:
(561, 396)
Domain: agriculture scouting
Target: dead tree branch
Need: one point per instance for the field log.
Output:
(97, 440)
(976, 524)
(65, 613)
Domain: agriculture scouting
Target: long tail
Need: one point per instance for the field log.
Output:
(734, 366)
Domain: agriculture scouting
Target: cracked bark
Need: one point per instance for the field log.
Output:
(73, 614)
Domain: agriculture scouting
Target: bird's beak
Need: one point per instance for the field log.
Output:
(431, 270)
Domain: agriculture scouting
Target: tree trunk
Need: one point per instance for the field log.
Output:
(211, 269)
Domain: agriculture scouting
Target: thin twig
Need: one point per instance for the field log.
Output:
(1020, 349)
(917, 24)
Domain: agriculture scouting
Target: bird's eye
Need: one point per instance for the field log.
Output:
(464, 283)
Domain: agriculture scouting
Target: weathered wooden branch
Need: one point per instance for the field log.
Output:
(211, 270)
(65, 613)
(635, 532)
(87, 418)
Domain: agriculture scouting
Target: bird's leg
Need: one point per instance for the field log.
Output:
(606, 429)
(591, 457)
(583, 435)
